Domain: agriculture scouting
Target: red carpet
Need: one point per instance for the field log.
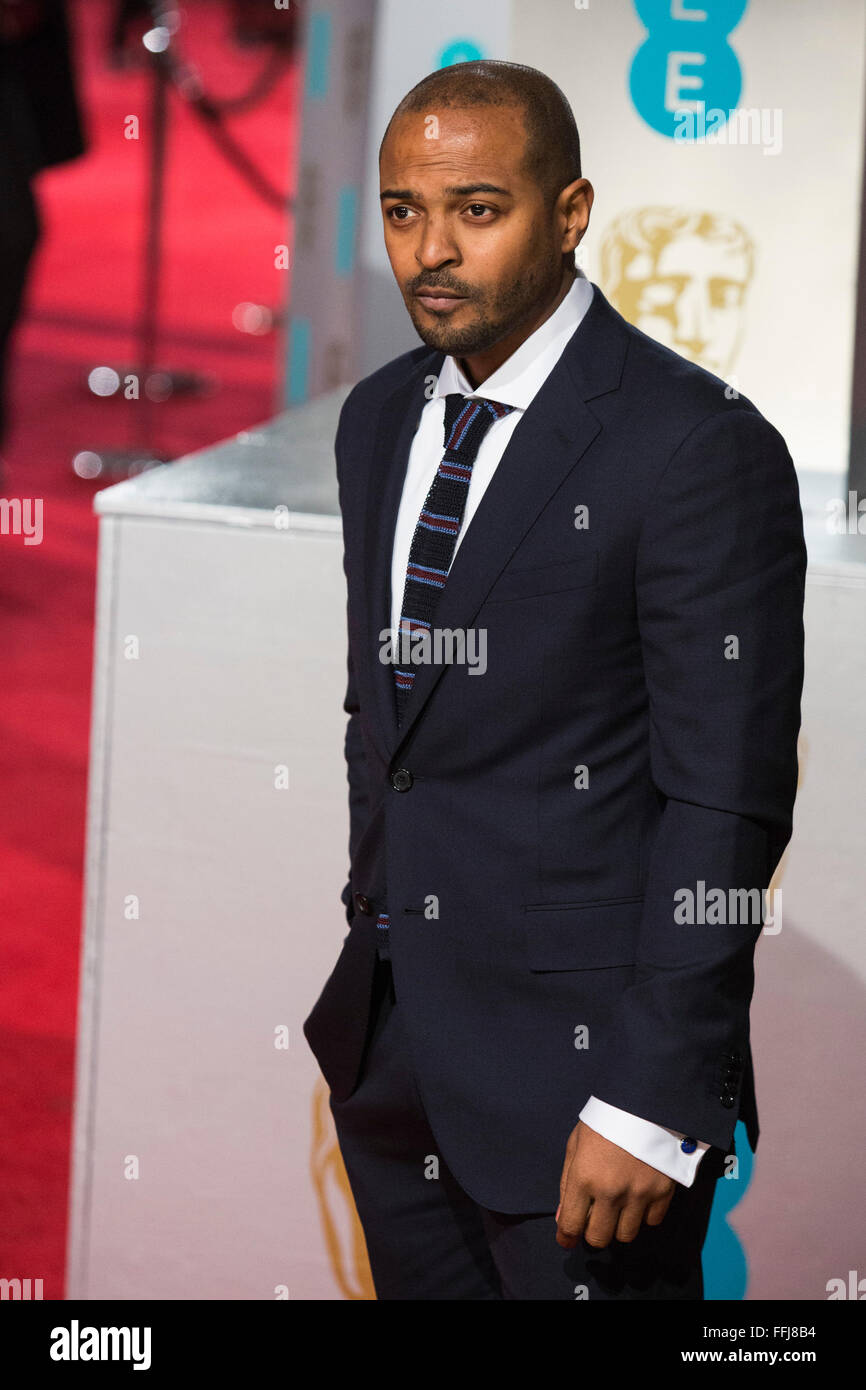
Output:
(82, 302)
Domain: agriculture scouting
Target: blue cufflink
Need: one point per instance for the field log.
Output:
(688, 1146)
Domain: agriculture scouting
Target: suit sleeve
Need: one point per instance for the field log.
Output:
(719, 582)
(357, 777)
(356, 766)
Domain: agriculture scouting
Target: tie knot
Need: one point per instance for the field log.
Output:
(467, 420)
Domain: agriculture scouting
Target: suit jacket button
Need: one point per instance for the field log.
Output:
(401, 780)
(363, 904)
(728, 1102)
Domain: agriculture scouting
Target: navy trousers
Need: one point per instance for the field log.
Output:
(427, 1238)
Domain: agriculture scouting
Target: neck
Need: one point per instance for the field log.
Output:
(481, 365)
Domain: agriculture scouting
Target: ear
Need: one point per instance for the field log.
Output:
(574, 206)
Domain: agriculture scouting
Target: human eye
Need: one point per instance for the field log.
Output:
(398, 208)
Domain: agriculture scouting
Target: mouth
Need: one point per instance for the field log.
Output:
(439, 301)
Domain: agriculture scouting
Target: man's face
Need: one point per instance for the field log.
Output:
(462, 217)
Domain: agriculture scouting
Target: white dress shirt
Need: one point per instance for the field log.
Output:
(516, 383)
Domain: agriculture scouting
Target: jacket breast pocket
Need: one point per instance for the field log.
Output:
(516, 583)
(582, 936)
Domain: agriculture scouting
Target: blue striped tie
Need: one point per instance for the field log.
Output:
(433, 544)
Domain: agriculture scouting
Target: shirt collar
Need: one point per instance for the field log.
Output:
(523, 374)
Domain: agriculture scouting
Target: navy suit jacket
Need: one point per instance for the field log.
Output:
(537, 945)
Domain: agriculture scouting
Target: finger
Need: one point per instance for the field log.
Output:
(602, 1223)
(630, 1221)
(566, 1169)
(572, 1217)
(657, 1210)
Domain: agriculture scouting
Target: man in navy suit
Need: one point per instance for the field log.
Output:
(575, 569)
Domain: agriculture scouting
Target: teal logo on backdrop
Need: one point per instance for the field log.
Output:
(686, 62)
(723, 1259)
(458, 51)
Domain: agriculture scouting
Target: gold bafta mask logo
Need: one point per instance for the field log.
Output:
(681, 276)
(344, 1236)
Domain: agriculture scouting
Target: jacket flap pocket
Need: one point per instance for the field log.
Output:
(547, 579)
(582, 936)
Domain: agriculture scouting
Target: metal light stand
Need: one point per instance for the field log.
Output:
(153, 385)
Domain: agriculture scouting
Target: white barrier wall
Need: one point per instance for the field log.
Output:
(799, 1222)
(217, 849)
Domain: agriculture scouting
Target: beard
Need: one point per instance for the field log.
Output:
(497, 313)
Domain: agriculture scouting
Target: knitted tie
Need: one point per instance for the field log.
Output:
(467, 420)
(435, 539)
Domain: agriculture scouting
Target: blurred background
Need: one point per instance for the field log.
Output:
(68, 97)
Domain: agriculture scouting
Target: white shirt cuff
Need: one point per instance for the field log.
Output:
(654, 1144)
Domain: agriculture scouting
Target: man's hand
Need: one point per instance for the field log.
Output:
(605, 1192)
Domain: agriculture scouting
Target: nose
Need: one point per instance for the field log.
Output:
(436, 246)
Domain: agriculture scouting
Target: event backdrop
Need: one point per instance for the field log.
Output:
(724, 141)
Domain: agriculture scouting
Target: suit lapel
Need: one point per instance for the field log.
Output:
(548, 441)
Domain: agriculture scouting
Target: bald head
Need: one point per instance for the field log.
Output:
(552, 150)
